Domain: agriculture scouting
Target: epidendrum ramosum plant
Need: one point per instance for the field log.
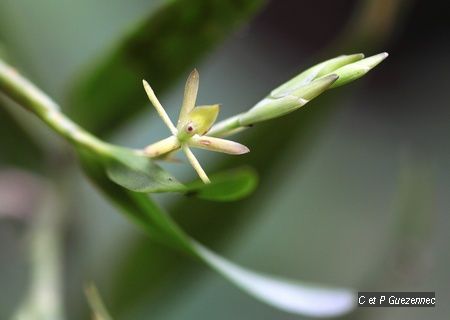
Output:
(126, 176)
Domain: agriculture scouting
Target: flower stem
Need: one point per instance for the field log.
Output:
(22, 91)
(226, 127)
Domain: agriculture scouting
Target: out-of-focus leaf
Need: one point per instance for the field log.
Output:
(225, 186)
(283, 294)
(160, 49)
(139, 173)
(99, 311)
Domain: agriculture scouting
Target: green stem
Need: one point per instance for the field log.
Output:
(227, 127)
(30, 97)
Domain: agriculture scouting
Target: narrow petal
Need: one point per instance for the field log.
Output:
(162, 147)
(159, 108)
(217, 144)
(190, 95)
(195, 164)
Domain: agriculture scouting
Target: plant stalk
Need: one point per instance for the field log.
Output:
(26, 94)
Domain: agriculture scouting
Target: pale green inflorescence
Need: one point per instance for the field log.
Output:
(195, 124)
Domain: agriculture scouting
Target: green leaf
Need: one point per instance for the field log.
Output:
(139, 173)
(284, 294)
(225, 186)
(160, 49)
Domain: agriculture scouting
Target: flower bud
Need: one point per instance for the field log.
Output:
(315, 72)
(270, 107)
(357, 69)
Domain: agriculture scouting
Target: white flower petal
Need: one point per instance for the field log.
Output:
(159, 108)
(162, 147)
(217, 144)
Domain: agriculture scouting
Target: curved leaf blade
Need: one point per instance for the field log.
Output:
(283, 294)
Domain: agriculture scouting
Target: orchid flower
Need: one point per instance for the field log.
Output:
(193, 124)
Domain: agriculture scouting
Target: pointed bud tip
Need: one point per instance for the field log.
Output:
(380, 57)
(374, 60)
(332, 77)
(194, 73)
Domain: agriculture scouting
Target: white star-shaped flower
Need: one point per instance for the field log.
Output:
(192, 126)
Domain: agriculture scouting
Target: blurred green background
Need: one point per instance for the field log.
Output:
(353, 188)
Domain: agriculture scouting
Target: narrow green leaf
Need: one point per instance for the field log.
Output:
(283, 294)
(160, 49)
